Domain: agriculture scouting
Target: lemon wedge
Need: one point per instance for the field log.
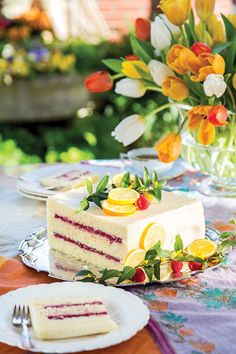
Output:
(123, 196)
(152, 234)
(134, 257)
(202, 248)
(117, 210)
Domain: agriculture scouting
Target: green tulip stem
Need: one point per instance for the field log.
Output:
(184, 34)
(159, 109)
(117, 76)
(154, 88)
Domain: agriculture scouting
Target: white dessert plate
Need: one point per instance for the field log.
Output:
(35, 253)
(126, 310)
(29, 183)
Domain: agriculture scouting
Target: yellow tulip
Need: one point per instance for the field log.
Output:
(3, 65)
(234, 81)
(169, 147)
(232, 19)
(129, 68)
(205, 8)
(199, 32)
(206, 132)
(177, 11)
(175, 88)
(216, 29)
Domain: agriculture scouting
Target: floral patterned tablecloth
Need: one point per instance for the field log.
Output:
(197, 315)
(194, 316)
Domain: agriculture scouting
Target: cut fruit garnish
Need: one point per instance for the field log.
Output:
(202, 248)
(152, 234)
(123, 196)
(117, 210)
(165, 271)
(117, 179)
(134, 257)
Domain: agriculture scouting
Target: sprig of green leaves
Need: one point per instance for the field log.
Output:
(154, 258)
(148, 184)
(96, 196)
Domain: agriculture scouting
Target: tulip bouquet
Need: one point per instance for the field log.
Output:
(191, 60)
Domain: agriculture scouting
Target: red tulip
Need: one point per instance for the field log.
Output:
(218, 115)
(199, 48)
(143, 29)
(100, 81)
(131, 57)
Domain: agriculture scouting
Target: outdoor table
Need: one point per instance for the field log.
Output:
(197, 315)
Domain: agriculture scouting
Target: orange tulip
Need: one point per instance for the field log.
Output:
(198, 118)
(205, 8)
(169, 148)
(175, 88)
(196, 115)
(142, 29)
(218, 116)
(100, 81)
(177, 11)
(206, 64)
(206, 132)
(178, 57)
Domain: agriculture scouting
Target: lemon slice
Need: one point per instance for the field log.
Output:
(117, 179)
(165, 271)
(134, 257)
(123, 196)
(118, 210)
(202, 248)
(152, 234)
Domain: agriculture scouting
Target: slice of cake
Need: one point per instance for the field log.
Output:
(68, 180)
(69, 317)
(105, 241)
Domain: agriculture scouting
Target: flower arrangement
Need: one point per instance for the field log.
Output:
(191, 61)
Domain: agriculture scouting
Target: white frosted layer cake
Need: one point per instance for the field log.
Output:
(69, 317)
(68, 180)
(96, 238)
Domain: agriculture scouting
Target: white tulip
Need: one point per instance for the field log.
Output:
(129, 129)
(175, 30)
(159, 71)
(130, 88)
(160, 34)
(214, 85)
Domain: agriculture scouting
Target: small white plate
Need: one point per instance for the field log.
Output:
(178, 168)
(126, 309)
(29, 183)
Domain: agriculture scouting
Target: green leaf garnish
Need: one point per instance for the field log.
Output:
(127, 273)
(84, 205)
(178, 245)
(102, 184)
(157, 270)
(89, 185)
(125, 181)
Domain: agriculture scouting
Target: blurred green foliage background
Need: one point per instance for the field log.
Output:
(87, 134)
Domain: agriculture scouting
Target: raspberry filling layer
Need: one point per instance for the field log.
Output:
(67, 175)
(86, 247)
(62, 317)
(89, 229)
(71, 305)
